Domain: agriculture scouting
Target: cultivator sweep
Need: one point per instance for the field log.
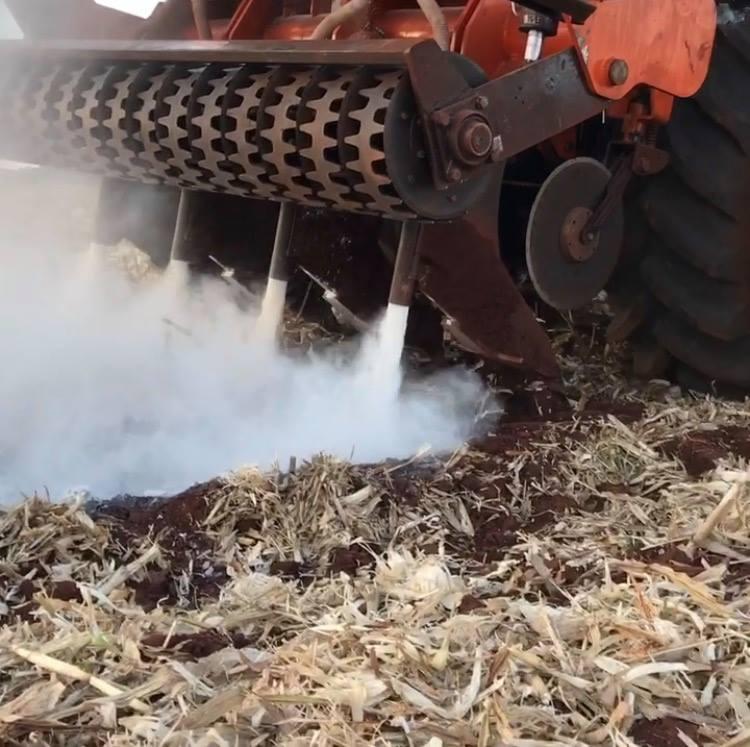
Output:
(382, 122)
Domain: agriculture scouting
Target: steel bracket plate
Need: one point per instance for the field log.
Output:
(522, 109)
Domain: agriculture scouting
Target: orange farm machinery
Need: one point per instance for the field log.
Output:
(450, 153)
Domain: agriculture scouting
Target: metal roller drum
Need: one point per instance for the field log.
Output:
(314, 135)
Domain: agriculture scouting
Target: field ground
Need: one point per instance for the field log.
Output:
(575, 578)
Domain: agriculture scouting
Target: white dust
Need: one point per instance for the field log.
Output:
(116, 385)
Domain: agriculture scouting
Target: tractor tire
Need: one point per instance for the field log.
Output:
(690, 226)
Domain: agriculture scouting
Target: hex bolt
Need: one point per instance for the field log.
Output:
(618, 72)
(481, 102)
(454, 174)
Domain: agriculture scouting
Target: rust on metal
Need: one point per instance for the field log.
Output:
(452, 327)
(562, 280)
(472, 136)
(406, 267)
(529, 105)
(612, 198)
(279, 269)
(462, 273)
(576, 246)
(524, 108)
(186, 245)
(379, 122)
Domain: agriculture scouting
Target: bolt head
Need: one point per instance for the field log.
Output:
(481, 102)
(618, 72)
(454, 175)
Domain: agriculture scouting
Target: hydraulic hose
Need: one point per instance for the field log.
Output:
(200, 16)
(434, 14)
(337, 17)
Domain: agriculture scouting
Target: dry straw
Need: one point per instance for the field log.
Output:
(629, 606)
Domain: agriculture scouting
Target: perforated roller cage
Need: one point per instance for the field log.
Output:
(69, 198)
(340, 136)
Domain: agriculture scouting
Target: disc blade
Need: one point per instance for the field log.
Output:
(573, 189)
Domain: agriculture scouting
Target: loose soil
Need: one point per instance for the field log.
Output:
(554, 554)
(701, 450)
(664, 732)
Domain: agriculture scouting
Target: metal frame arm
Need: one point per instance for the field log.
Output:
(469, 129)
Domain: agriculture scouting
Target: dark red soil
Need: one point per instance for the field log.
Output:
(191, 645)
(511, 437)
(22, 604)
(470, 604)
(155, 587)
(161, 587)
(498, 531)
(673, 556)
(291, 570)
(67, 591)
(547, 510)
(528, 414)
(701, 450)
(549, 405)
(181, 513)
(351, 559)
(495, 532)
(664, 732)
(177, 524)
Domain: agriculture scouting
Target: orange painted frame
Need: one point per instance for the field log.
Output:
(666, 45)
(484, 30)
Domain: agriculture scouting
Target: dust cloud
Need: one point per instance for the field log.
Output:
(115, 385)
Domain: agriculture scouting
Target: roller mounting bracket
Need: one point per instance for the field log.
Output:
(470, 129)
